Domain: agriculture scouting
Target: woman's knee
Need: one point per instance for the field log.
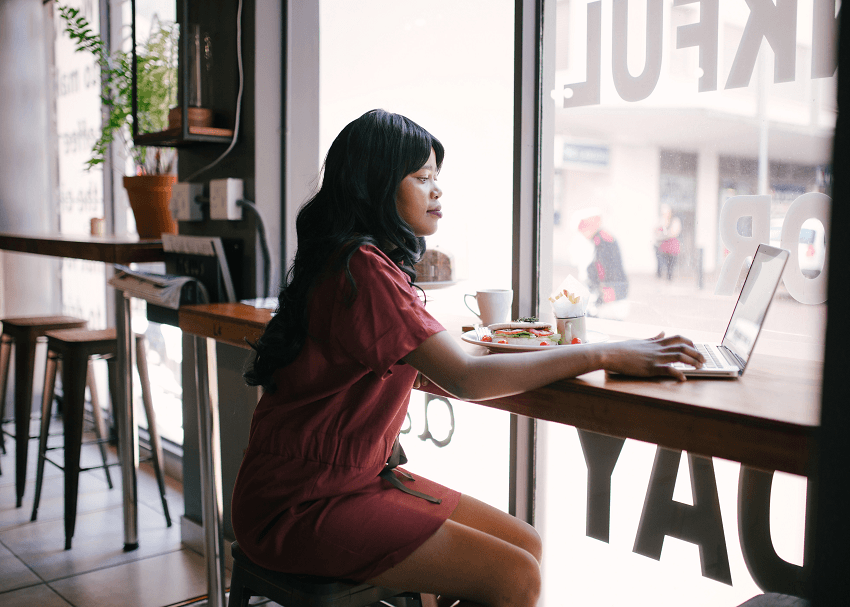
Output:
(533, 544)
(526, 537)
(522, 587)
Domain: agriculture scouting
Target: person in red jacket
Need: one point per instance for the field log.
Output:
(605, 274)
(319, 490)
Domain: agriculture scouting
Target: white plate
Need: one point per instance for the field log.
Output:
(593, 337)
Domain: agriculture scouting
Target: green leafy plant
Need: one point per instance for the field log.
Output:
(156, 89)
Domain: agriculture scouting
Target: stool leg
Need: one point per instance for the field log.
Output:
(99, 426)
(5, 356)
(239, 595)
(24, 369)
(156, 443)
(74, 372)
(46, 413)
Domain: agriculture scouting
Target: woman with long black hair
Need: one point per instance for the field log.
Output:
(318, 491)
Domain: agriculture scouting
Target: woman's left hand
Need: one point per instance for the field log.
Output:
(646, 357)
(420, 382)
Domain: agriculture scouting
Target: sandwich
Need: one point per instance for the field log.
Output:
(522, 333)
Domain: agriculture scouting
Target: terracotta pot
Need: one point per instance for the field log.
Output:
(150, 196)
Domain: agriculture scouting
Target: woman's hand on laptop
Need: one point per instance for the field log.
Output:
(650, 357)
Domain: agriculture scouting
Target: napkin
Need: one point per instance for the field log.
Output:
(570, 299)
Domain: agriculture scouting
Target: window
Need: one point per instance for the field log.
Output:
(449, 67)
(662, 113)
(81, 198)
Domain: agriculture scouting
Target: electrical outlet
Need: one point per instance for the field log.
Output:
(223, 196)
(184, 205)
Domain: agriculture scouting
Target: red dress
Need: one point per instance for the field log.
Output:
(308, 498)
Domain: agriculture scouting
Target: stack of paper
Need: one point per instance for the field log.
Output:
(160, 289)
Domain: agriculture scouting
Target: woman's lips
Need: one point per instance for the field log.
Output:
(435, 213)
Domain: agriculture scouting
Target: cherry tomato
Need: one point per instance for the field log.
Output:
(576, 340)
(487, 338)
(502, 341)
(544, 343)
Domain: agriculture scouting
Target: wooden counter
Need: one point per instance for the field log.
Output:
(107, 249)
(766, 419)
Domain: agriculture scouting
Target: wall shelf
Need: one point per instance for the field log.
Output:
(176, 138)
(183, 135)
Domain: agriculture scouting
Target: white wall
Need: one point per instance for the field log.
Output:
(26, 193)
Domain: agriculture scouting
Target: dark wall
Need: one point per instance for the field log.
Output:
(236, 400)
(218, 17)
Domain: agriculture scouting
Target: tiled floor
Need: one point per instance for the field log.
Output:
(35, 569)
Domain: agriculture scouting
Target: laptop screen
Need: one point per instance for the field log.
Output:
(754, 300)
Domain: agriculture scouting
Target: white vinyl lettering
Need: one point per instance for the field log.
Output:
(778, 25)
(775, 23)
(588, 92)
(824, 40)
(635, 88)
(703, 35)
(741, 247)
(803, 289)
(812, 205)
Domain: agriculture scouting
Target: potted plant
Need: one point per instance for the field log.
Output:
(149, 189)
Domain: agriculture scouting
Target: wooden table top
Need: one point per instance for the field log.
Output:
(230, 323)
(766, 419)
(107, 249)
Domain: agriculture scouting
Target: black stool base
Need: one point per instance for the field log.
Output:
(249, 579)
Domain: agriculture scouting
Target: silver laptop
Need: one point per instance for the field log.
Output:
(729, 358)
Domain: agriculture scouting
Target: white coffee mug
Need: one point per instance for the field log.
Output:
(494, 305)
(569, 328)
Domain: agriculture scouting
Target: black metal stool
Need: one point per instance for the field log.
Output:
(24, 333)
(75, 348)
(248, 579)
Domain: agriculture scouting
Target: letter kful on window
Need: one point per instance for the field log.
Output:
(774, 23)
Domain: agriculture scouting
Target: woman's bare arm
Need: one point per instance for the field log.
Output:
(442, 360)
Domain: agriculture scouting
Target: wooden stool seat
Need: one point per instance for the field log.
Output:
(249, 579)
(24, 333)
(74, 349)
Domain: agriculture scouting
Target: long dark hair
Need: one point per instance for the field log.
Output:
(355, 205)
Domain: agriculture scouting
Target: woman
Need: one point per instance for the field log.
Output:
(315, 494)
(667, 241)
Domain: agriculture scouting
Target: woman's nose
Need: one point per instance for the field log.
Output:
(436, 192)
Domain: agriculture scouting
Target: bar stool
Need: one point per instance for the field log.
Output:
(24, 333)
(51, 368)
(75, 348)
(248, 579)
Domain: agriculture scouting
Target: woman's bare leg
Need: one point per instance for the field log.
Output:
(480, 554)
(484, 517)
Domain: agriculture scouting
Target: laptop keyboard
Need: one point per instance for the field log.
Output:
(711, 361)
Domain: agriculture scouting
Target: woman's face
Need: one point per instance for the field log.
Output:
(418, 199)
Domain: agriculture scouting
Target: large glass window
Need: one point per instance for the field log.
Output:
(78, 119)
(449, 67)
(663, 113)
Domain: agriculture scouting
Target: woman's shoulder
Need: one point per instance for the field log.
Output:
(369, 259)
